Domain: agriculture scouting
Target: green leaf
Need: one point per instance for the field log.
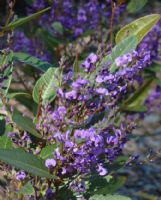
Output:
(27, 189)
(7, 73)
(138, 98)
(125, 46)
(135, 108)
(24, 20)
(5, 142)
(47, 151)
(158, 82)
(15, 94)
(25, 123)
(24, 161)
(104, 185)
(139, 27)
(47, 85)
(112, 186)
(58, 27)
(109, 197)
(25, 100)
(30, 60)
(154, 68)
(136, 5)
(49, 40)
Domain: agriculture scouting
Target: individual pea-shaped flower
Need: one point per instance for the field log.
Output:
(90, 62)
(101, 170)
(49, 194)
(50, 163)
(102, 91)
(11, 134)
(20, 175)
(123, 60)
(71, 95)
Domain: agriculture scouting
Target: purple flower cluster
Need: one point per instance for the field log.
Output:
(75, 18)
(32, 46)
(86, 141)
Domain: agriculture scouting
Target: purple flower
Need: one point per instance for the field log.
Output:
(101, 170)
(124, 60)
(72, 95)
(78, 32)
(20, 175)
(90, 62)
(100, 79)
(11, 134)
(79, 83)
(62, 110)
(92, 58)
(102, 91)
(50, 163)
(49, 194)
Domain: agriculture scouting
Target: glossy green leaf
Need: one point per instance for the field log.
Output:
(47, 85)
(125, 46)
(47, 151)
(30, 60)
(24, 161)
(139, 27)
(136, 5)
(24, 20)
(27, 189)
(109, 197)
(25, 123)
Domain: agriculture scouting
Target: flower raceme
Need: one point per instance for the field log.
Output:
(81, 125)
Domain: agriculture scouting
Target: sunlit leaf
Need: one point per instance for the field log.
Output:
(139, 27)
(47, 85)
